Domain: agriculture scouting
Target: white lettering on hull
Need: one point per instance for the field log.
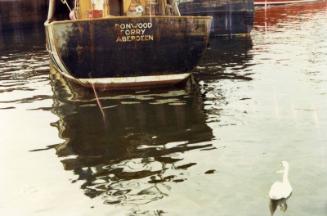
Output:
(134, 32)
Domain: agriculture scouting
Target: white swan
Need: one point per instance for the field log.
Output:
(281, 190)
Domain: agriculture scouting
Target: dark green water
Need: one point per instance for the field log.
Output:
(211, 148)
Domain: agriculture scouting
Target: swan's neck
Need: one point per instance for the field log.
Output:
(285, 175)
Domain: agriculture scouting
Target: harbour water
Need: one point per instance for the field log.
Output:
(208, 148)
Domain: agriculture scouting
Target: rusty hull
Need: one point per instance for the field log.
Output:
(127, 47)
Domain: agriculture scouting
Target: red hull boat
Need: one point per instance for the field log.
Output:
(273, 15)
(279, 2)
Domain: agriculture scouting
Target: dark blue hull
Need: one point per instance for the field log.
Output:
(229, 18)
(22, 14)
(21, 23)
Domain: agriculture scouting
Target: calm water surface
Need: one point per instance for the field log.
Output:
(211, 148)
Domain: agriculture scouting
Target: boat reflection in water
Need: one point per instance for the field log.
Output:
(224, 58)
(134, 150)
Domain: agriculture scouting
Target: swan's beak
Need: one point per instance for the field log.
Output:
(280, 171)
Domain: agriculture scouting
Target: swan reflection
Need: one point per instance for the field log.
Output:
(135, 152)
